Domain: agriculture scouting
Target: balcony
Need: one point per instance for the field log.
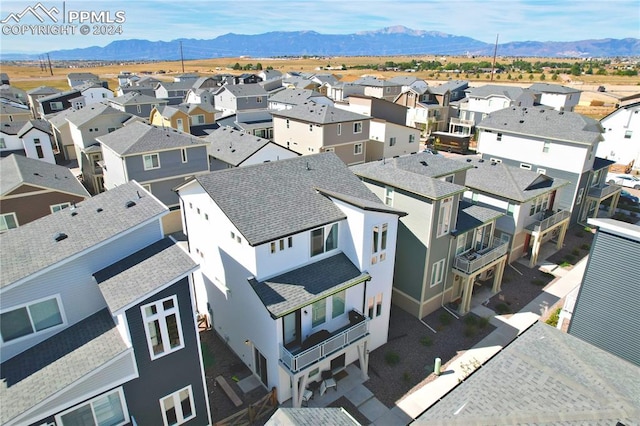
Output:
(602, 191)
(460, 122)
(340, 339)
(548, 219)
(474, 260)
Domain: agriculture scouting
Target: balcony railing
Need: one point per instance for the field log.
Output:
(338, 340)
(473, 260)
(548, 219)
(461, 122)
(603, 191)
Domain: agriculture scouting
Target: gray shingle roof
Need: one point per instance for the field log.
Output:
(59, 95)
(272, 200)
(175, 85)
(552, 88)
(138, 138)
(310, 416)
(137, 276)
(244, 90)
(405, 80)
(60, 119)
(12, 127)
(233, 146)
(376, 82)
(303, 286)
(311, 112)
(43, 90)
(33, 246)
(82, 76)
(451, 85)
(55, 364)
(136, 98)
(508, 182)
(415, 173)
(39, 124)
(544, 123)
(11, 109)
(509, 92)
(16, 170)
(471, 216)
(294, 96)
(85, 115)
(544, 377)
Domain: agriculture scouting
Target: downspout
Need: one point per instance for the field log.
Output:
(444, 282)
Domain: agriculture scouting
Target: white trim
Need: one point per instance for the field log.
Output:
(161, 316)
(437, 273)
(62, 206)
(178, 407)
(123, 404)
(35, 332)
(151, 155)
(15, 218)
(43, 190)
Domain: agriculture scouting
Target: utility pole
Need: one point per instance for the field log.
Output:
(181, 57)
(495, 51)
(50, 69)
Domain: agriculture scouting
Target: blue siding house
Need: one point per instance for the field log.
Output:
(98, 327)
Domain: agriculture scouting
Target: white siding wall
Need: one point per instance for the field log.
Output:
(300, 139)
(114, 169)
(45, 143)
(12, 142)
(615, 146)
(94, 95)
(488, 105)
(270, 152)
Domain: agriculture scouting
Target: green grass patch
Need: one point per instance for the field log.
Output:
(207, 357)
(553, 319)
(564, 264)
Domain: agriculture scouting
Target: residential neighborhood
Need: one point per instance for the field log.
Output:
(295, 247)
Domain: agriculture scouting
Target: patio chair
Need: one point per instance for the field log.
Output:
(306, 396)
(327, 382)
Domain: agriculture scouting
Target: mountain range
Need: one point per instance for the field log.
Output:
(396, 40)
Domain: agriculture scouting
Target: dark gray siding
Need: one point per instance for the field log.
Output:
(170, 373)
(410, 258)
(606, 311)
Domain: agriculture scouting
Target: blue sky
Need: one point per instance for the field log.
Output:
(513, 20)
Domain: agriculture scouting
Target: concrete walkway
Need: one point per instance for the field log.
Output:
(508, 327)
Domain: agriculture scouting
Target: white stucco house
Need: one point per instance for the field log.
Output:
(622, 136)
(297, 260)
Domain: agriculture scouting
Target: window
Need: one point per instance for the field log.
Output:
(392, 141)
(290, 242)
(448, 178)
(138, 109)
(357, 149)
(178, 407)
(496, 160)
(3, 145)
(388, 196)
(370, 307)
(29, 319)
(525, 166)
(374, 301)
(329, 150)
(541, 171)
(539, 204)
(379, 304)
(162, 327)
(151, 161)
(379, 243)
(499, 137)
(111, 129)
(337, 304)
(180, 125)
(272, 247)
(546, 146)
(357, 127)
(38, 146)
(183, 153)
(510, 209)
(107, 409)
(8, 221)
(287, 123)
(627, 134)
(412, 138)
(579, 197)
(233, 235)
(281, 245)
(58, 207)
(259, 99)
(339, 129)
(56, 106)
(474, 197)
(437, 272)
(444, 216)
(198, 119)
(318, 312)
(324, 239)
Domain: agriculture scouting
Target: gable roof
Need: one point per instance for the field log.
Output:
(471, 216)
(60, 119)
(138, 138)
(82, 76)
(12, 109)
(139, 275)
(405, 80)
(43, 90)
(175, 85)
(414, 173)
(243, 90)
(311, 112)
(303, 286)
(233, 146)
(553, 378)
(310, 416)
(12, 127)
(490, 90)
(38, 124)
(376, 82)
(451, 85)
(508, 182)
(16, 170)
(552, 88)
(294, 96)
(276, 199)
(58, 95)
(85, 115)
(545, 123)
(53, 365)
(136, 98)
(33, 246)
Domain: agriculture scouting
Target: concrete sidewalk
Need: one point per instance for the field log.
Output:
(508, 328)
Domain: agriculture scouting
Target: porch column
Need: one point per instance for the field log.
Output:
(561, 235)
(614, 204)
(497, 276)
(466, 294)
(363, 357)
(535, 249)
(299, 386)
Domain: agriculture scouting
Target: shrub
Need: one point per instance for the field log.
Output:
(426, 341)
(585, 246)
(470, 330)
(392, 358)
(575, 252)
(445, 318)
(502, 309)
(483, 322)
(570, 258)
(564, 264)
(470, 320)
(553, 319)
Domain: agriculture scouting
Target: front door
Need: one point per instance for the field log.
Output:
(291, 330)
(260, 366)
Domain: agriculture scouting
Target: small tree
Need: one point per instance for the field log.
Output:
(509, 77)
(531, 77)
(542, 77)
(554, 77)
(259, 66)
(237, 66)
(519, 76)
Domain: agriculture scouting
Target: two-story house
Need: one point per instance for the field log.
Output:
(377, 88)
(297, 266)
(98, 323)
(556, 96)
(32, 138)
(188, 118)
(236, 98)
(94, 92)
(39, 92)
(233, 148)
(444, 245)
(136, 103)
(257, 122)
(145, 85)
(310, 128)
(288, 98)
(621, 137)
(158, 158)
(529, 201)
(173, 92)
(559, 144)
(31, 189)
(85, 126)
(61, 132)
(76, 79)
(53, 104)
(14, 112)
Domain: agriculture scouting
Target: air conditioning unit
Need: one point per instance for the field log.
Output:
(486, 275)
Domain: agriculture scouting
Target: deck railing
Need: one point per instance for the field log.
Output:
(473, 260)
(549, 220)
